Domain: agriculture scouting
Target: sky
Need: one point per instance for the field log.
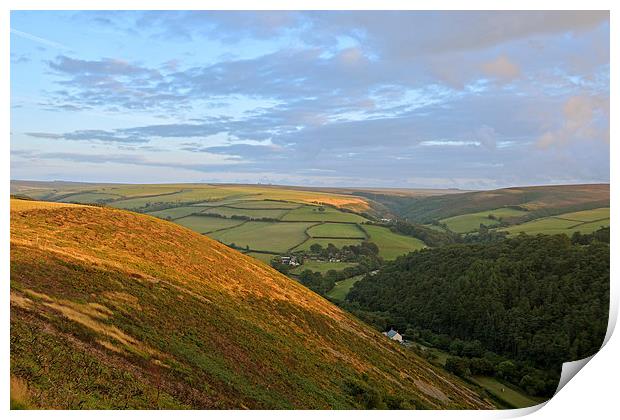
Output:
(471, 100)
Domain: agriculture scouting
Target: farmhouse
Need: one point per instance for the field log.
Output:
(292, 260)
(393, 335)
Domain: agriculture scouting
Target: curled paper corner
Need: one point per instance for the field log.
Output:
(569, 369)
(521, 412)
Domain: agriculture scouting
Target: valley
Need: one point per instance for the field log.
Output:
(329, 242)
(299, 209)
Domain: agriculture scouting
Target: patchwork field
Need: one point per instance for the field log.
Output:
(471, 222)
(251, 213)
(291, 211)
(175, 212)
(327, 214)
(206, 224)
(264, 236)
(337, 230)
(392, 245)
(231, 200)
(172, 198)
(299, 218)
(263, 204)
(586, 221)
(139, 196)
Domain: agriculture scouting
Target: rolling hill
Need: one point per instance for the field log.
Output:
(112, 309)
(538, 201)
(256, 219)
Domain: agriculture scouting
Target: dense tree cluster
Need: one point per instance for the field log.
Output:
(366, 255)
(350, 253)
(539, 301)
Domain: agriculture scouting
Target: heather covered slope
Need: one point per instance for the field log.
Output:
(110, 309)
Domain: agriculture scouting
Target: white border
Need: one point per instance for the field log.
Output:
(592, 393)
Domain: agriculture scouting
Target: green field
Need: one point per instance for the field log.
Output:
(175, 212)
(391, 244)
(586, 215)
(321, 267)
(586, 221)
(506, 393)
(263, 204)
(342, 287)
(471, 222)
(230, 200)
(591, 227)
(206, 224)
(337, 230)
(338, 243)
(264, 236)
(171, 196)
(296, 210)
(252, 213)
(329, 214)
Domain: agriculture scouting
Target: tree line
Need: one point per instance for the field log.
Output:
(524, 305)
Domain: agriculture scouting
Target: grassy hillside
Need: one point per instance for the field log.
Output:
(538, 201)
(141, 196)
(471, 222)
(586, 221)
(392, 245)
(254, 218)
(110, 309)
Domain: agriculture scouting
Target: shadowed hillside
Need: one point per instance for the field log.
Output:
(110, 309)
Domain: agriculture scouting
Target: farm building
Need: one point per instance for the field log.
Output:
(393, 335)
(292, 260)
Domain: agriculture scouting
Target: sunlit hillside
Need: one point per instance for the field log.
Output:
(111, 309)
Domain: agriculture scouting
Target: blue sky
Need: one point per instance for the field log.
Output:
(470, 100)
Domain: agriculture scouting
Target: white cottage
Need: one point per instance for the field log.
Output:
(393, 335)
